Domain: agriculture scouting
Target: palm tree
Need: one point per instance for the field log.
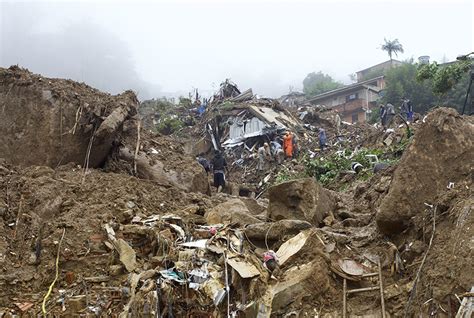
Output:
(392, 47)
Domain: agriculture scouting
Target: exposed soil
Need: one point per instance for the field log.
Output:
(128, 217)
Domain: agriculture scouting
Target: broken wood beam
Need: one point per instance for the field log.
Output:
(359, 290)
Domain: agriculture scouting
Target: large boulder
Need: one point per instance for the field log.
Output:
(299, 283)
(302, 199)
(441, 152)
(233, 211)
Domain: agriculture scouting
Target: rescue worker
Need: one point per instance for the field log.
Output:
(263, 155)
(407, 109)
(322, 139)
(389, 114)
(337, 122)
(288, 144)
(218, 166)
(277, 151)
(383, 115)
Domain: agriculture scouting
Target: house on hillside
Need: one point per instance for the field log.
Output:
(376, 70)
(354, 101)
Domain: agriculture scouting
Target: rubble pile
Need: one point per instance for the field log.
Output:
(60, 120)
(141, 234)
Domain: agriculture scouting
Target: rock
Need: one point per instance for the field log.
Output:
(254, 207)
(441, 152)
(299, 282)
(76, 303)
(115, 270)
(233, 211)
(328, 220)
(383, 184)
(302, 199)
(380, 166)
(275, 230)
(344, 215)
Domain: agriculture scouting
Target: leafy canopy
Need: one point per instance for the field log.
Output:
(410, 80)
(392, 47)
(318, 83)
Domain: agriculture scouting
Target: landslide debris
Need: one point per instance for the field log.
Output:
(441, 153)
(143, 237)
(59, 120)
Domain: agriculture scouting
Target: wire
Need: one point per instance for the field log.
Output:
(266, 235)
(43, 306)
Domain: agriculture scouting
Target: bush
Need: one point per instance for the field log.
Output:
(327, 169)
(169, 125)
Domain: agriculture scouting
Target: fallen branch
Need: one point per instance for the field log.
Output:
(418, 274)
(43, 306)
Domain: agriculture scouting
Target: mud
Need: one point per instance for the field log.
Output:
(144, 233)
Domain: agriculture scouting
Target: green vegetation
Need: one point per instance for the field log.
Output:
(169, 125)
(392, 47)
(159, 115)
(419, 84)
(328, 169)
(284, 175)
(443, 77)
(318, 83)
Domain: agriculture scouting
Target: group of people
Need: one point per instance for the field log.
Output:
(269, 152)
(276, 151)
(387, 112)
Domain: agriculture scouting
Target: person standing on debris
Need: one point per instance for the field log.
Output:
(390, 113)
(288, 144)
(263, 155)
(296, 149)
(322, 139)
(277, 151)
(407, 109)
(383, 115)
(337, 122)
(218, 166)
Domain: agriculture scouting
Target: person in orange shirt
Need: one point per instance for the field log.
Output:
(288, 144)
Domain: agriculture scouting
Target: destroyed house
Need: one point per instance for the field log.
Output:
(250, 120)
(354, 101)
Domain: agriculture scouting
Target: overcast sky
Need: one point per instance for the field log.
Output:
(158, 47)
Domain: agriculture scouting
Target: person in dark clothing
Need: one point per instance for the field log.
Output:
(218, 166)
(383, 115)
(390, 113)
(407, 109)
(204, 163)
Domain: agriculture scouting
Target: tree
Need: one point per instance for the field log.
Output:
(392, 47)
(450, 81)
(402, 81)
(318, 83)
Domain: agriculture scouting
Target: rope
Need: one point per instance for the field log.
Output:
(43, 307)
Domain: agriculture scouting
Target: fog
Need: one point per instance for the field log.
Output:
(170, 47)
